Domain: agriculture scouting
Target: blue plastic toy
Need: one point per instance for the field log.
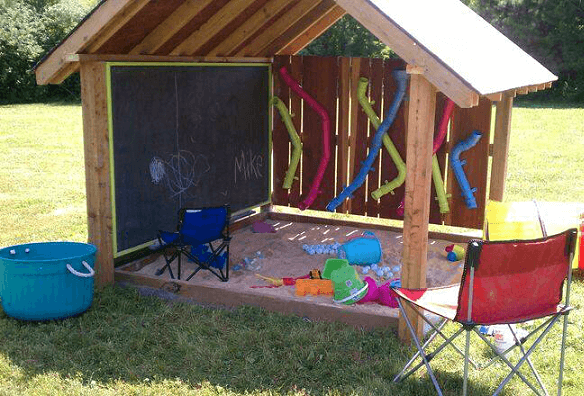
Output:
(362, 250)
(457, 164)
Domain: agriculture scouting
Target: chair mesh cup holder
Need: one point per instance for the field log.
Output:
(202, 236)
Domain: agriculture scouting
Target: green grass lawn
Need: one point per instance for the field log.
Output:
(546, 155)
(43, 174)
(130, 344)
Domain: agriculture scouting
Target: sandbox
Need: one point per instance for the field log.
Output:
(282, 255)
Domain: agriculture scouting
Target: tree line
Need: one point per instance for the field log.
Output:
(550, 31)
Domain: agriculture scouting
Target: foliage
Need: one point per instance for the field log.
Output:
(29, 29)
(347, 37)
(550, 31)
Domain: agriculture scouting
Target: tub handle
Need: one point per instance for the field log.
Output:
(81, 274)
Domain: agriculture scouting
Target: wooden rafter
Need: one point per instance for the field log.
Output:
(318, 28)
(169, 27)
(117, 23)
(210, 28)
(249, 27)
(55, 69)
(280, 25)
(309, 19)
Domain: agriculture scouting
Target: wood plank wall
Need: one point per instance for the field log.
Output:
(333, 82)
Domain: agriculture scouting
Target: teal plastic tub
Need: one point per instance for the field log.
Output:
(47, 280)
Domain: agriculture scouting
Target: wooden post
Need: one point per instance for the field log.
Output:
(97, 165)
(501, 146)
(420, 127)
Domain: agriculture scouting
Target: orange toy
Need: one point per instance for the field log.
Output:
(314, 287)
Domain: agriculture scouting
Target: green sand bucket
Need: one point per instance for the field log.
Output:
(332, 265)
(349, 288)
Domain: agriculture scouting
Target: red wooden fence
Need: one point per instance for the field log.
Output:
(333, 83)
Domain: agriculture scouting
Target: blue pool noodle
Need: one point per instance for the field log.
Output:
(457, 165)
(401, 77)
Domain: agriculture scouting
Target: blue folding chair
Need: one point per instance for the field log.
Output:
(203, 237)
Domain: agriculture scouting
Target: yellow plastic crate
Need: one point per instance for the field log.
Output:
(519, 220)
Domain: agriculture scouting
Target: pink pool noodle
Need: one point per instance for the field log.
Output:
(438, 139)
(443, 128)
(326, 127)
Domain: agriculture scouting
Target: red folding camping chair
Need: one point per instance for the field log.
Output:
(503, 283)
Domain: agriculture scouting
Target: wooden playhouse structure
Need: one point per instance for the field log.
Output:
(447, 50)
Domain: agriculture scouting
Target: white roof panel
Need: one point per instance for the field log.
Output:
(465, 43)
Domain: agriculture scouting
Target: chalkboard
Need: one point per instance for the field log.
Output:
(185, 136)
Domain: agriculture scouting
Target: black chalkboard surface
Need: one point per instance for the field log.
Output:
(193, 135)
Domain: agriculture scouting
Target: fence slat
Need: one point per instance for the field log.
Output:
(296, 110)
(376, 97)
(343, 130)
(280, 136)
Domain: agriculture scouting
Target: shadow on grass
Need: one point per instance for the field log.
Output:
(127, 339)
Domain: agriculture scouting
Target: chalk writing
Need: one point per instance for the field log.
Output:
(249, 166)
(182, 171)
(157, 170)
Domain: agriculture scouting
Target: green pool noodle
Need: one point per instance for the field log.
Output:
(439, 185)
(294, 138)
(389, 146)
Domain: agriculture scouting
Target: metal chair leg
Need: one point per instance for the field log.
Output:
(417, 342)
(466, 359)
(563, 354)
(515, 369)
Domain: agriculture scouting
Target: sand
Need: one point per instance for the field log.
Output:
(281, 254)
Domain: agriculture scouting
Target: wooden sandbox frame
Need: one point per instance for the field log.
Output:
(215, 294)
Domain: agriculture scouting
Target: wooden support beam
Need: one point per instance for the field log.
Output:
(421, 108)
(317, 28)
(210, 28)
(301, 8)
(249, 27)
(495, 97)
(166, 58)
(50, 71)
(97, 168)
(501, 147)
(175, 22)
